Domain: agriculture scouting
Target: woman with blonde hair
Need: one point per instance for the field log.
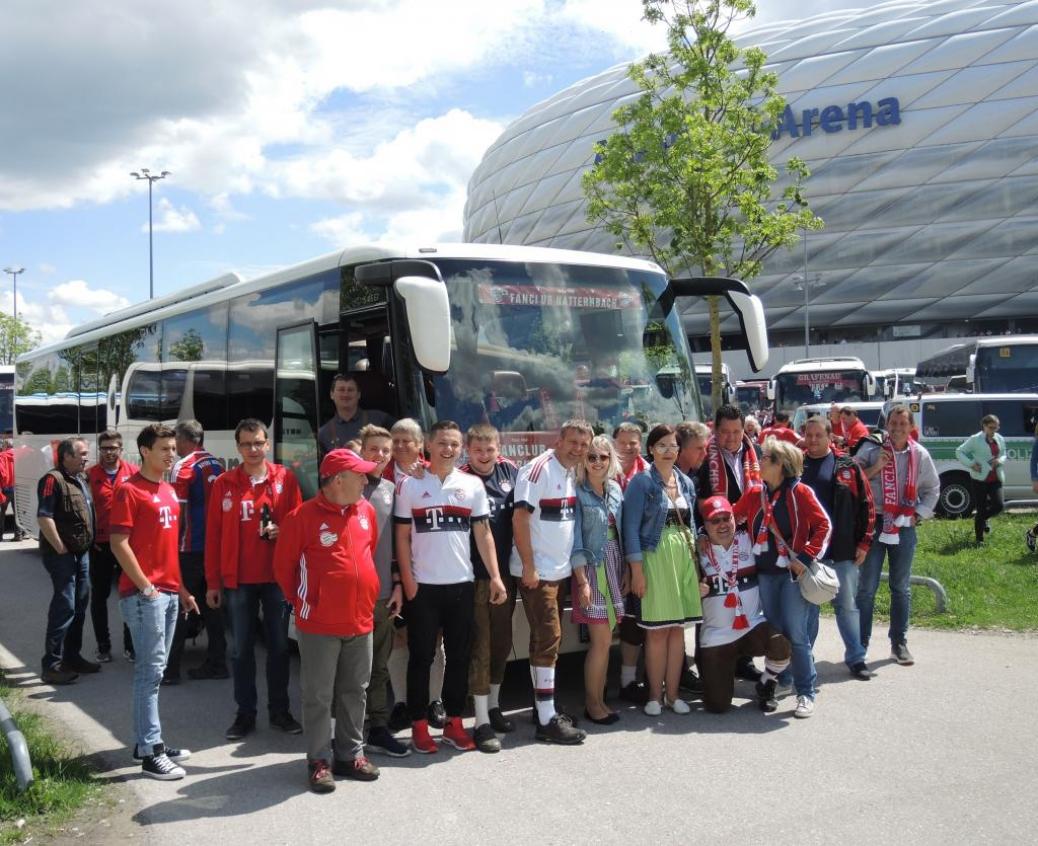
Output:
(598, 568)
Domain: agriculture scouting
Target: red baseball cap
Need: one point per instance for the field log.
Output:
(341, 460)
(713, 506)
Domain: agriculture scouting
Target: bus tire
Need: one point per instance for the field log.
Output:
(956, 499)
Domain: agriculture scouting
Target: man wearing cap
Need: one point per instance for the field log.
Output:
(434, 516)
(324, 561)
(733, 624)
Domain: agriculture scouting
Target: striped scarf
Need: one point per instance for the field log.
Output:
(718, 473)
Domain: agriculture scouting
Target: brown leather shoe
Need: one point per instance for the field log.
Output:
(321, 780)
(360, 769)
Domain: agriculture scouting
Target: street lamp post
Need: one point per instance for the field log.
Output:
(152, 179)
(14, 271)
(807, 283)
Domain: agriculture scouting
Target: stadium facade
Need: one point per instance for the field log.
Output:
(919, 122)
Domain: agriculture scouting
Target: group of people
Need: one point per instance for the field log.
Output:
(403, 570)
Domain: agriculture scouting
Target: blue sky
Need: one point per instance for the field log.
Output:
(291, 128)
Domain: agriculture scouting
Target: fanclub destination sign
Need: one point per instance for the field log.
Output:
(540, 296)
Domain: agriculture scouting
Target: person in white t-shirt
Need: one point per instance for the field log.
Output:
(434, 517)
(733, 624)
(543, 524)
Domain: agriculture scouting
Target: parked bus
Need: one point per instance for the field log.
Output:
(751, 395)
(523, 338)
(895, 382)
(814, 380)
(705, 379)
(1004, 364)
(6, 399)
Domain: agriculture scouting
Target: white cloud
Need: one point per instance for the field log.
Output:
(76, 293)
(48, 318)
(172, 219)
(46, 268)
(619, 19)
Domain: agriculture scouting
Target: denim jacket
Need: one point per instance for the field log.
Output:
(645, 511)
(592, 523)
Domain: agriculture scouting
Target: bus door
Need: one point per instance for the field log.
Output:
(367, 356)
(296, 404)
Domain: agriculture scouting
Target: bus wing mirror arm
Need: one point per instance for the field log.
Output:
(747, 307)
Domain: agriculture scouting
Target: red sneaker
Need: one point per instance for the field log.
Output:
(456, 736)
(420, 738)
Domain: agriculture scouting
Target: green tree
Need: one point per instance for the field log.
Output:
(189, 347)
(686, 178)
(16, 337)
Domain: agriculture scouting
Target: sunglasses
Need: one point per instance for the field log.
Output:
(595, 459)
(724, 518)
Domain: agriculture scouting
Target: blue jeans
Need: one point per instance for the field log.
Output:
(151, 623)
(70, 575)
(847, 617)
(243, 603)
(899, 557)
(790, 613)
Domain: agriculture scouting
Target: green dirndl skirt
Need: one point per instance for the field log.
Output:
(671, 587)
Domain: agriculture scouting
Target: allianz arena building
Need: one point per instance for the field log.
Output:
(919, 122)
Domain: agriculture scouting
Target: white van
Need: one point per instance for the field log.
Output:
(946, 420)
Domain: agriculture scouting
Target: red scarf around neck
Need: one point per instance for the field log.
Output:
(767, 522)
(898, 510)
(718, 472)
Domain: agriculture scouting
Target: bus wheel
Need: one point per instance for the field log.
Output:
(956, 498)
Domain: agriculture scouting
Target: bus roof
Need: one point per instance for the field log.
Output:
(809, 365)
(230, 285)
(1006, 340)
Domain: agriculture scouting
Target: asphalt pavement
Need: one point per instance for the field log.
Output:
(942, 752)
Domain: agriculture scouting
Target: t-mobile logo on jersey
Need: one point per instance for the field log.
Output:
(166, 517)
(248, 508)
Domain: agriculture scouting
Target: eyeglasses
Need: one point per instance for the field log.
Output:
(252, 444)
(111, 449)
(666, 447)
(595, 459)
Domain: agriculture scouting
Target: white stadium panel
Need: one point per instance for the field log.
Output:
(930, 212)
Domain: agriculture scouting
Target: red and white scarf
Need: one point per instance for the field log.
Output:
(898, 510)
(729, 580)
(718, 472)
(767, 510)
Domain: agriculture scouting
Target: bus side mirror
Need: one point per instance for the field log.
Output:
(971, 368)
(429, 319)
(870, 384)
(770, 390)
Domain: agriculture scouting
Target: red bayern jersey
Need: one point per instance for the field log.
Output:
(102, 488)
(149, 513)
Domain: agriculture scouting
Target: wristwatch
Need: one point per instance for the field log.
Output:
(151, 590)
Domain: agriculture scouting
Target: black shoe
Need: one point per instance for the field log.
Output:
(207, 671)
(162, 768)
(398, 719)
(486, 740)
(746, 670)
(690, 681)
(286, 722)
(79, 664)
(560, 730)
(381, 740)
(766, 700)
(437, 716)
(861, 671)
(607, 720)
(899, 652)
(243, 724)
(636, 693)
(175, 755)
(58, 675)
(359, 769)
(500, 722)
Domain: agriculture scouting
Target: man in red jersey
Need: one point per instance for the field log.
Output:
(780, 428)
(853, 429)
(104, 478)
(325, 562)
(144, 532)
(247, 506)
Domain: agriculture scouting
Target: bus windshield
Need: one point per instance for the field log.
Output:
(1008, 369)
(750, 398)
(793, 390)
(536, 344)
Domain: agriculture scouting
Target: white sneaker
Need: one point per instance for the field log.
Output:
(679, 706)
(653, 708)
(805, 707)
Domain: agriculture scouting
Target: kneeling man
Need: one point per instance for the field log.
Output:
(733, 624)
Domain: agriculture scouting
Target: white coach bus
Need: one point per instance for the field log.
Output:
(521, 337)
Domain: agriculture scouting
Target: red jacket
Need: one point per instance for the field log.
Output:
(324, 563)
(783, 433)
(811, 526)
(102, 489)
(858, 431)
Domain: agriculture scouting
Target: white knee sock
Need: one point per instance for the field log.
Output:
(628, 675)
(397, 667)
(436, 674)
(482, 710)
(495, 696)
(544, 692)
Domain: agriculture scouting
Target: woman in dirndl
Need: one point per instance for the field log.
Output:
(658, 544)
(598, 569)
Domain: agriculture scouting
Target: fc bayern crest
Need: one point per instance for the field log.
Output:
(506, 486)
(227, 503)
(364, 523)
